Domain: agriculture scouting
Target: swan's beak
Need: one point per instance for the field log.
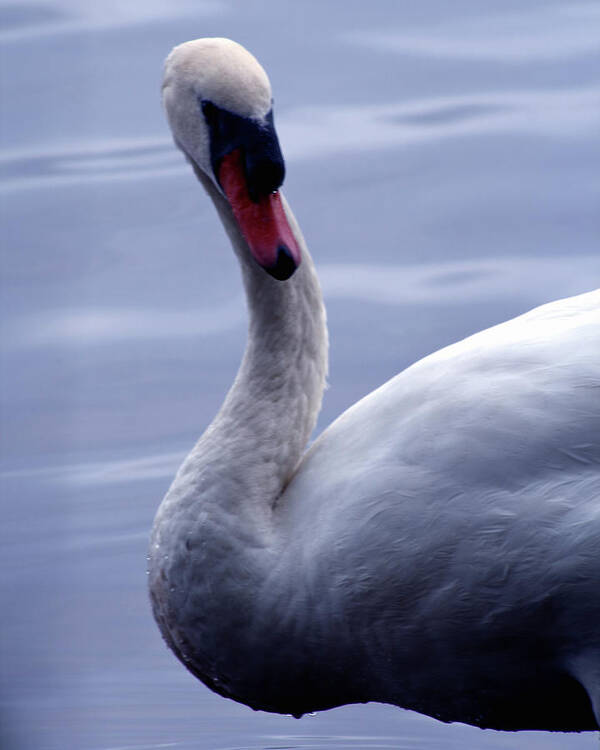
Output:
(248, 164)
(263, 222)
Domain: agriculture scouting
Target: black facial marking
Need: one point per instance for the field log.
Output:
(263, 160)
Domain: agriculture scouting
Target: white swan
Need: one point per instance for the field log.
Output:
(438, 547)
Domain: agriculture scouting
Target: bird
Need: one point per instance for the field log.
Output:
(437, 547)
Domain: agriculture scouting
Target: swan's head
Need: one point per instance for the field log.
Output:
(219, 106)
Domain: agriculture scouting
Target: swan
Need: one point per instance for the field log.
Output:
(438, 546)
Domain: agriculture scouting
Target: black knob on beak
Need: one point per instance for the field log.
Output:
(257, 140)
(284, 266)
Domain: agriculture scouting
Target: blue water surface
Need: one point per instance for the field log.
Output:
(443, 161)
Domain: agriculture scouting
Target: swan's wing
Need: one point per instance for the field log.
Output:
(478, 463)
(513, 403)
(441, 540)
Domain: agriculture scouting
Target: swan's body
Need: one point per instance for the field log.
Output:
(438, 547)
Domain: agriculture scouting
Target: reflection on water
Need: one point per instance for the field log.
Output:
(438, 197)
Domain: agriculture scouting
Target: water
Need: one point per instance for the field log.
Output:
(443, 161)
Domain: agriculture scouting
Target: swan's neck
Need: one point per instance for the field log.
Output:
(271, 409)
(215, 540)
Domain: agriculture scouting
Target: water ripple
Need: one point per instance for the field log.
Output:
(460, 282)
(88, 162)
(119, 471)
(98, 326)
(563, 113)
(373, 742)
(52, 17)
(454, 282)
(15, 17)
(561, 31)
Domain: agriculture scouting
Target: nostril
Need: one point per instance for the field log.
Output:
(284, 266)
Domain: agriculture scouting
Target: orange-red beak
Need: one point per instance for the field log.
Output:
(263, 222)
